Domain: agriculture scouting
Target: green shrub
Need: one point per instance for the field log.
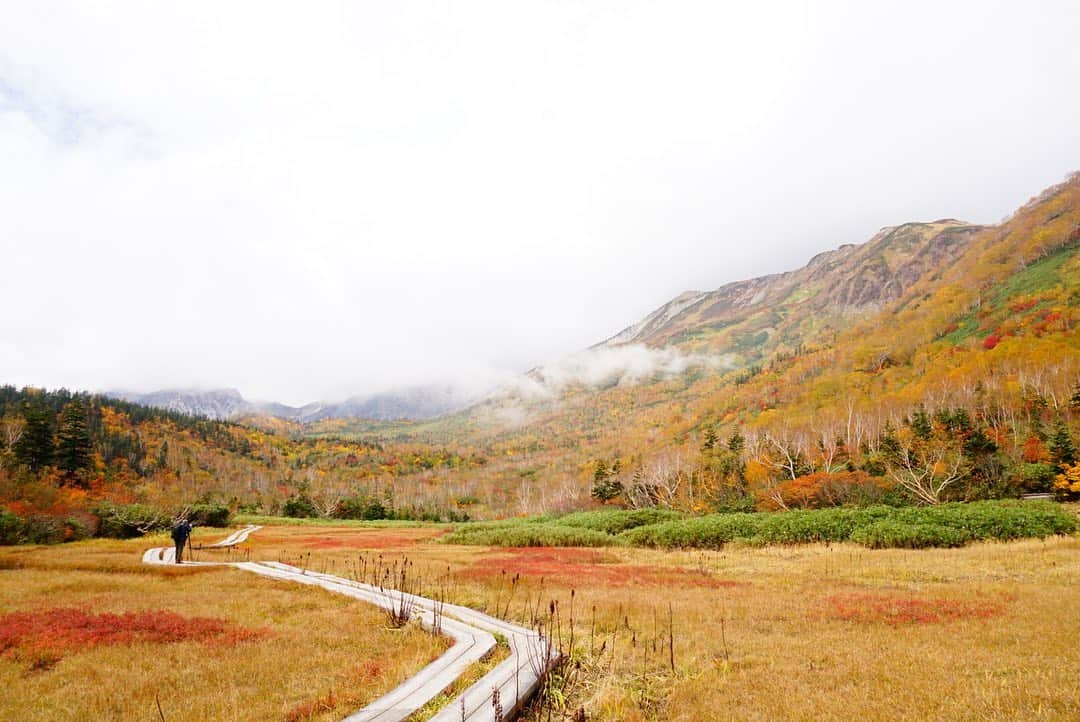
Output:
(217, 515)
(530, 535)
(875, 526)
(361, 507)
(299, 507)
(38, 529)
(1034, 478)
(735, 503)
(894, 534)
(707, 532)
(127, 521)
(1000, 520)
(615, 521)
(74, 528)
(10, 528)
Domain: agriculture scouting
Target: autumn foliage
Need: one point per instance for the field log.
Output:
(43, 637)
(572, 566)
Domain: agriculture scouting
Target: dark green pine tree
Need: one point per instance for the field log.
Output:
(920, 424)
(73, 446)
(1062, 450)
(605, 487)
(1074, 402)
(35, 447)
(163, 455)
(710, 440)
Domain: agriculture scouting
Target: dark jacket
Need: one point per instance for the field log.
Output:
(181, 531)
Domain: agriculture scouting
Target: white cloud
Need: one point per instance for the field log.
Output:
(314, 201)
(607, 366)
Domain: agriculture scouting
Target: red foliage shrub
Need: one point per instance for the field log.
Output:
(42, 637)
(1034, 450)
(896, 609)
(571, 566)
(368, 671)
(307, 710)
(823, 489)
(1020, 306)
(991, 341)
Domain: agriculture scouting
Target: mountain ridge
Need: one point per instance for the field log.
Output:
(851, 280)
(414, 402)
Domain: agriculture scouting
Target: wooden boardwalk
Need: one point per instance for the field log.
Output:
(516, 678)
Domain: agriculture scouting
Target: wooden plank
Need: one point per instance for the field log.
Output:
(516, 678)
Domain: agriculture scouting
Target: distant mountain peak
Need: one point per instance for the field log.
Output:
(851, 279)
(414, 402)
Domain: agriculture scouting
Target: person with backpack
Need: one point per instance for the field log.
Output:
(180, 532)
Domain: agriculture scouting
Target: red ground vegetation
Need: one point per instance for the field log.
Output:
(572, 566)
(906, 609)
(368, 539)
(307, 710)
(43, 637)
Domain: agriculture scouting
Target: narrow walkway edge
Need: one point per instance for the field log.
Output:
(516, 678)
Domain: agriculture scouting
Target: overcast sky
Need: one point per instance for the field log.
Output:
(311, 200)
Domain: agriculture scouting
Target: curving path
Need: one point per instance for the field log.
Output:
(515, 678)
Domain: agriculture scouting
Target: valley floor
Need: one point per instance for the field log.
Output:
(811, 632)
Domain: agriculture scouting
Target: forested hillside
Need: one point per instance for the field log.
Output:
(71, 462)
(937, 362)
(957, 379)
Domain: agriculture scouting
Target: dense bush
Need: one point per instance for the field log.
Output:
(299, 507)
(529, 535)
(876, 526)
(1001, 520)
(701, 532)
(898, 535)
(362, 507)
(10, 527)
(127, 521)
(822, 489)
(1035, 477)
(614, 521)
(217, 515)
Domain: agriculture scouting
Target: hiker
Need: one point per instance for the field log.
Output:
(180, 532)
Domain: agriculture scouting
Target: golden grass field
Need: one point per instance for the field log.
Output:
(308, 643)
(986, 632)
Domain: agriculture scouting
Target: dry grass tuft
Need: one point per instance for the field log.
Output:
(906, 609)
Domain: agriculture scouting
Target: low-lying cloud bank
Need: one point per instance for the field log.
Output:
(606, 367)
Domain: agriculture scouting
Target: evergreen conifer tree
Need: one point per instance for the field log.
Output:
(1062, 450)
(920, 424)
(35, 447)
(73, 446)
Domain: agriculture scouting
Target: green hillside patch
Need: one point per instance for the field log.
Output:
(1037, 277)
(1045, 274)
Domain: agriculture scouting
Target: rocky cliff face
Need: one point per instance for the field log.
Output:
(851, 280)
